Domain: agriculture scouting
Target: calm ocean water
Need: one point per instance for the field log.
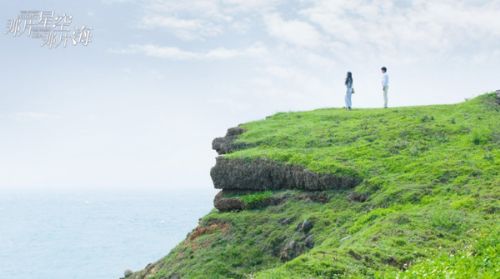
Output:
(62, 235)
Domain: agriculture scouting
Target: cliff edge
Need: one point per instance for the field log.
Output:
(371, 193)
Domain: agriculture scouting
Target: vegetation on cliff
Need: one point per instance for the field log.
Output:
(425, 203)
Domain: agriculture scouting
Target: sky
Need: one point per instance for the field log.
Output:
(139, 106)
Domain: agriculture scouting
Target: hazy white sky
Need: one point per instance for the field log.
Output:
(139, 106)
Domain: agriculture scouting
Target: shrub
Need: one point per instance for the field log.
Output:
(255, 199)
(452, 221)
(481, 136)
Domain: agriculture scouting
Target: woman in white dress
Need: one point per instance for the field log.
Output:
(348, 94)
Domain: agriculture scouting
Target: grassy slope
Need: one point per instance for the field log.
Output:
(431, 175)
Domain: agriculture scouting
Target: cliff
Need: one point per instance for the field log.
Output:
(374, 193)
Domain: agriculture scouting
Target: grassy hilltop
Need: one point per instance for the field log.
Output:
(426, 206)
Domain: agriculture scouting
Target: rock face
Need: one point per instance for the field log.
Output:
(263, 174)
(227, 144)
(498, 96)
(226, 200)
(228, 204)
(309, 241)
(305, 226)
(291, 250)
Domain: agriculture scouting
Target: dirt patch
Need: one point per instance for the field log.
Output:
(358, 197)
(319, 197)
(208, 229)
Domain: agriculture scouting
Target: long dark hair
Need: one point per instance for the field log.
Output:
(348, 79)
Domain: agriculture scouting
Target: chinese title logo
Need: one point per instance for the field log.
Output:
(52, 29)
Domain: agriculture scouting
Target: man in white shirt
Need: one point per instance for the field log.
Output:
(385, 85)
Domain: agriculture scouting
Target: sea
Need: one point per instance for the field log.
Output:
(60, 234)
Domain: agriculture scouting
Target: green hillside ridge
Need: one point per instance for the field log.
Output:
(426, 206)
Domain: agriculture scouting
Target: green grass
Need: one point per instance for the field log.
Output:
(478, 259)
(431, 175)
(255, 199)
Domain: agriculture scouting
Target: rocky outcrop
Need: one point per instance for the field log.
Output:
(291, 250)
(309, 241)
(224, 204)
(264, 174)
(305, 226)
(228, 143)
(498, 96)
(299, 243)
(227, 200)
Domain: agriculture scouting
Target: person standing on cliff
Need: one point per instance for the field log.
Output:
(385, 85)
(349, 91)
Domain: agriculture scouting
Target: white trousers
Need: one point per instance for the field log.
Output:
(386, 97)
